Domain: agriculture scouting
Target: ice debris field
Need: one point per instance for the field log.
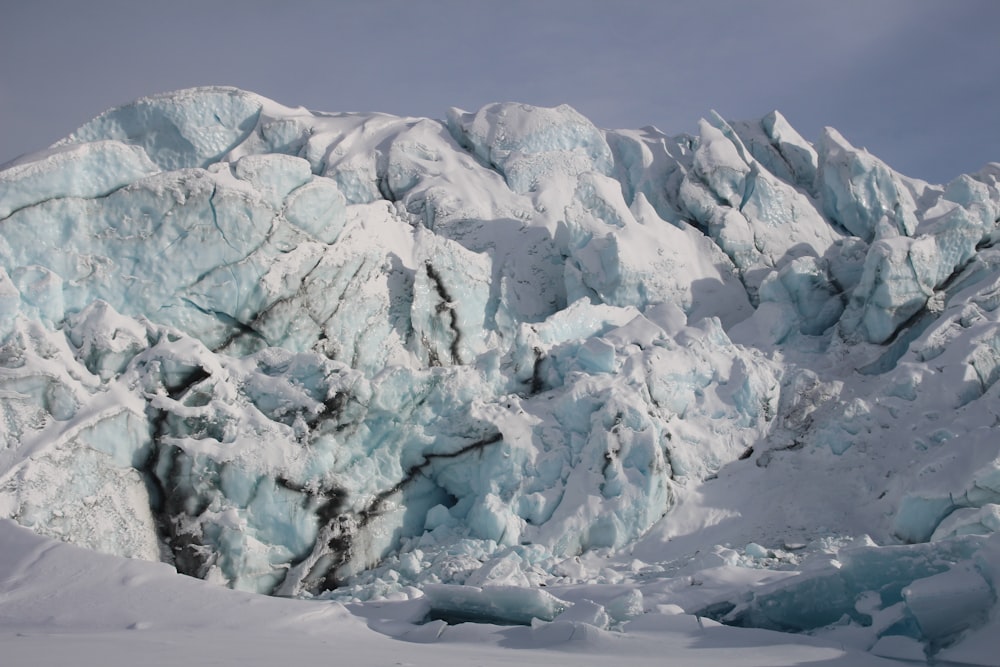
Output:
(510, 371)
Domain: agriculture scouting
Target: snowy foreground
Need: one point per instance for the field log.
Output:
(65, 606)
(501, 388)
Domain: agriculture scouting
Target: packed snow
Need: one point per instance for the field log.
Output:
(504, 383)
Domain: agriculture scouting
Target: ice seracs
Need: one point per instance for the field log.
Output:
(295, 352)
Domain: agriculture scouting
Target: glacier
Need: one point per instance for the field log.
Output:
(359, 356)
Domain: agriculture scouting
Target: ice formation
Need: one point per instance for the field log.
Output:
(298, 352)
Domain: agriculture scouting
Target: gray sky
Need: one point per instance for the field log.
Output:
(917, 82)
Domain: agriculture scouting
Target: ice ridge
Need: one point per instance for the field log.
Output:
(282, 349)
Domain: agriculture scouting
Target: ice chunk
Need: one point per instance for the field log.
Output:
(968, 193)
(969, 521)
(319, 209)
(187, 128)
(949, 481)
(527, 143)
(630, 257)
(720, 163)
(587, 612)
(86, 170)
(919, 516)
(105, 341)
(273, 176)
(758, 220)
(86, 491)
(41, 293)
(647, 164)
(947, 603)
(450, 295)
(10, 302)
(492, 519)
(502, 605)
(157, 236)
(892, 287)
(626, 606)
(806, 285)
(823, 596)
(858, 190)
(507, 569)
(796, 152)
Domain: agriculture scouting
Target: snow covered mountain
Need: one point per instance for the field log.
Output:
(358, 356)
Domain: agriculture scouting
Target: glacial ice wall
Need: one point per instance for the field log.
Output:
(277, 348)
(335, 332)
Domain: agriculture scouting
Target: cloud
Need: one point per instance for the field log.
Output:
(854, 64)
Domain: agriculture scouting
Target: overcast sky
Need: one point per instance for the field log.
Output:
(916, 82)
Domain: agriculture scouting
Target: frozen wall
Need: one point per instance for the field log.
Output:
(277, 348)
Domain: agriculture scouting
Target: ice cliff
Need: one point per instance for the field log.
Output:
(295, 352)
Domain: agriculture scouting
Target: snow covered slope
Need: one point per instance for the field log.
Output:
(361, 356)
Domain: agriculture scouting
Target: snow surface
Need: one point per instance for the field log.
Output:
(503, 368)
(62, 605)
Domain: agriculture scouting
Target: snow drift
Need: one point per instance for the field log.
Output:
(361, 355)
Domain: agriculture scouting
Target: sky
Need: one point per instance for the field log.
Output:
(914, 81)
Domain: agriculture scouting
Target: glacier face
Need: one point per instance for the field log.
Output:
(290, 351)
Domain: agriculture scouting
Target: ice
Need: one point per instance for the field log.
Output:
(721, 164)
(502, 605)
(450, 299)
(626, 606)
(953, 494)
(950, 602)
(900, 647)
(586, 612)
(808, 300)
(318, 208)
(82, 495)
(273, 177)
(88, 170)
(901, 274)
(185, 129)
(969, 521)
(362, 356)
(528, 143)
(908, 600)
(10, 302)
(892, 288)
(646, 163)
(758, 220)
(781, 148)
(63, 603)
(105, 341)
(860, 192)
